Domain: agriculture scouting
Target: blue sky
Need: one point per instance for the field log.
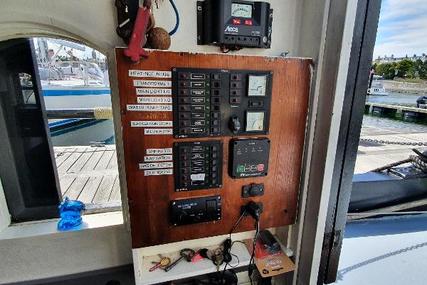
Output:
(402, 28)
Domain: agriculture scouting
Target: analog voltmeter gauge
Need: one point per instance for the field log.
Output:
(254, 121)
(241, 10)
(257, 85)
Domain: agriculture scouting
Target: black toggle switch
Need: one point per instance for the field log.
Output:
(235, 124)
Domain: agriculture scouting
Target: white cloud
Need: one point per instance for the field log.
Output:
(392, 9)
(402, 28)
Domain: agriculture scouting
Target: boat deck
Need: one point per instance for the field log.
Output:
(89, 174)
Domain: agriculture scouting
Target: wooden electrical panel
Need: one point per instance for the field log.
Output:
(174, 141)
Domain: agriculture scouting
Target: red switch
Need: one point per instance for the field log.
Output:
(260, 167)
(236, 22)
(248, 22)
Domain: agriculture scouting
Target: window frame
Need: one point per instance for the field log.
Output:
(364, 37)
(19, 207)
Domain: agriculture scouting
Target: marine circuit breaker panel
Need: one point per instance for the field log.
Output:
(204, 134)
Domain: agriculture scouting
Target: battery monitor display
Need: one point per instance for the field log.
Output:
(233, 24)
(241, 10)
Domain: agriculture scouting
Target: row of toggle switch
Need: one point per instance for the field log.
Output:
(198, 165)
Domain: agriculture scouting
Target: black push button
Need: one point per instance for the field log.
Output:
(184, 123)
(215, 130)
(236, 76)
(235, 92)
(184, 92)
(236, 84)
(235, 100)
(216, 76)
(184, 100)
(184, 131)
(185, 115)
(185, 108)
(184, 84)
(184, 75)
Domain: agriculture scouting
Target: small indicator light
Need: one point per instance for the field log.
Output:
(248, 22)
(236, 22)
(240, 168)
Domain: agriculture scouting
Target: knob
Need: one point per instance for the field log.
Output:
(235, 124)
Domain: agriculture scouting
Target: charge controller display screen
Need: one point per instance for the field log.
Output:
(241, 10)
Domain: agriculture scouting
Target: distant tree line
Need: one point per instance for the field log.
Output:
(405, 68)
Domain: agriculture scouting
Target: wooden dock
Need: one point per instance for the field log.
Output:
(404, 113)
(396, 108)
(89, 174)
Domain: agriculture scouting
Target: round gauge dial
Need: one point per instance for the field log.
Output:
(241, 10)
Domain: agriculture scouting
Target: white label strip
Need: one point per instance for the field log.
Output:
(155, 158)
(153, 91)
(150, 124)
(157, 132)
(155, 165)
(158, 172)
(152, 83)
(154, 100)
(198, 177)
(149, 108)
(150, 73)
(159, 150)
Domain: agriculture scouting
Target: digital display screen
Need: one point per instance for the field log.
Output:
(241, 10)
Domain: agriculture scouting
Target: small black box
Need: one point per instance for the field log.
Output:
(195, 210)
(249, 157)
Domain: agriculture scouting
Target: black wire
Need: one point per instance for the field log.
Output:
(228, 250)
(252, 261)
(238, 261)
(237, 222)
(175, 9)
